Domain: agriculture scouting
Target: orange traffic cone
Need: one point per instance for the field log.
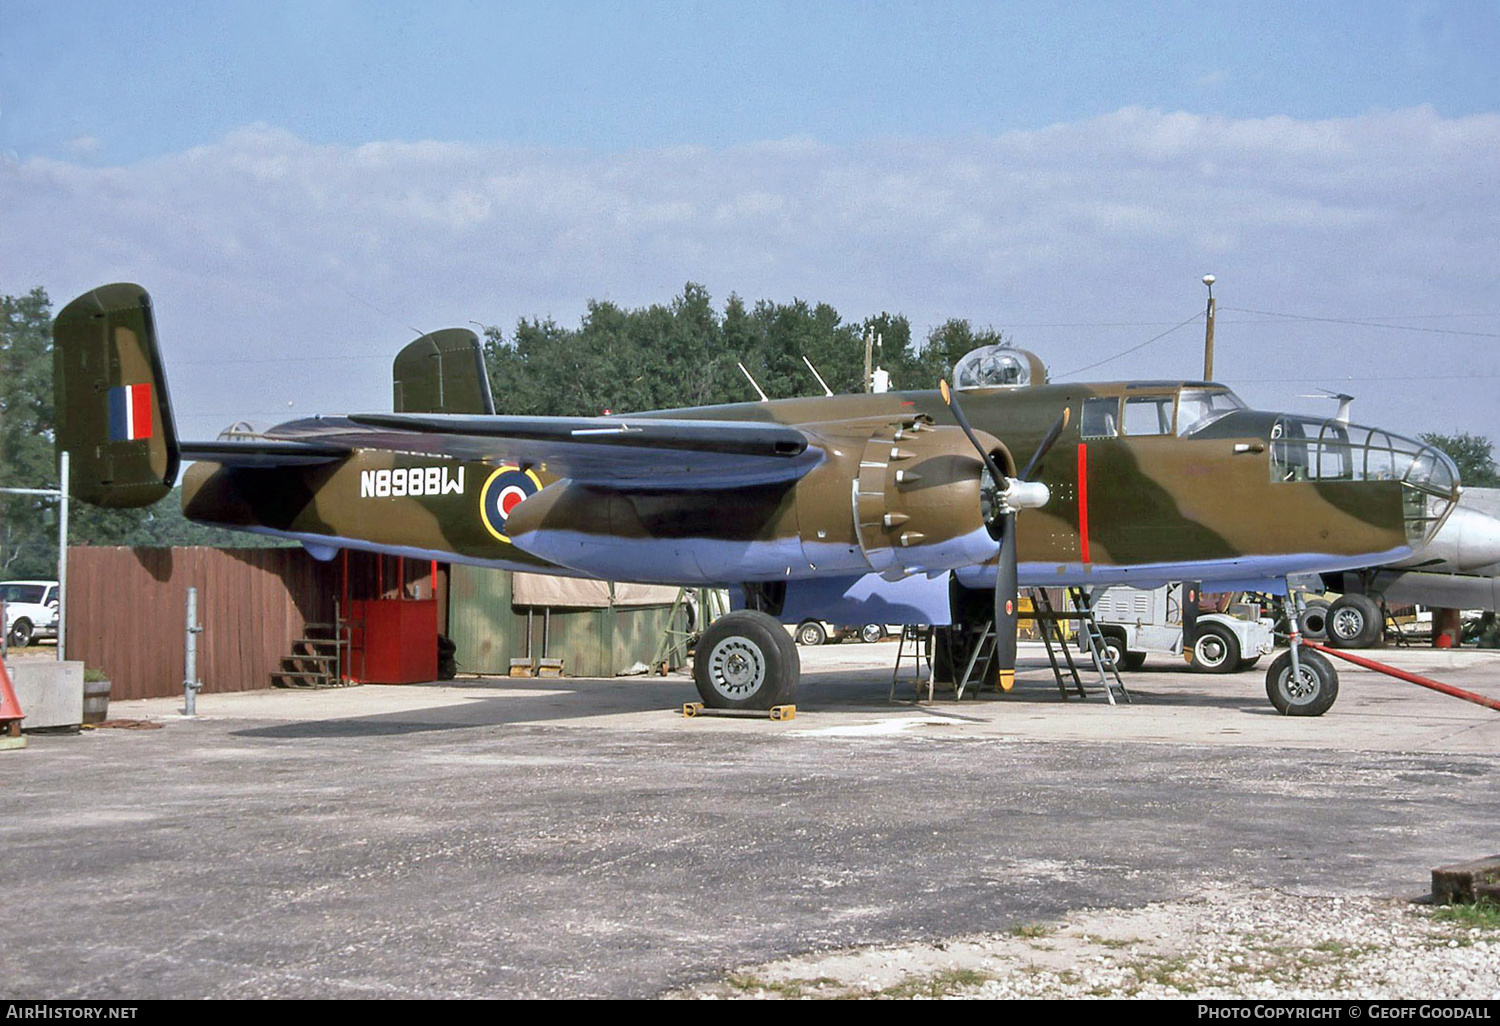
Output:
(10, 714)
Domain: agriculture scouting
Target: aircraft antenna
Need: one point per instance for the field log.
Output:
(383, 313)
(826, 389)
(753, 385)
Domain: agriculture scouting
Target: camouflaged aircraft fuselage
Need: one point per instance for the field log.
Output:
(1144, 507)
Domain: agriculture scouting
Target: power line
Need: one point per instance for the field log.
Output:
(1134, 348)
(1362, 323)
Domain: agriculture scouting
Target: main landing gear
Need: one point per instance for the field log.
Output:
(746, 660)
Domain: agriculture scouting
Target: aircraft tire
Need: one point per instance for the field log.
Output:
(746, 660)
(20, 633)
(1313, 620)
(1354, 621)
(1313, 695)
(811, 632)
(1216, 649)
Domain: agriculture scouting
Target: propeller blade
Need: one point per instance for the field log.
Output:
(963, 422)
(1046, 446)
(1007, 601)
(1191, 590)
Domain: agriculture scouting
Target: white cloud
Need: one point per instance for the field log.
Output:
(264, 244)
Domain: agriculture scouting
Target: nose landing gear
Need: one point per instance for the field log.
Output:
(1300, 682)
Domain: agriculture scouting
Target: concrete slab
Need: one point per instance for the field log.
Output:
(50, 692)
(845, 685)
(515, 838)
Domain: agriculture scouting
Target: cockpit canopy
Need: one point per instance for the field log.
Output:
(1158, 410)
(998, 366)
(1305, 449)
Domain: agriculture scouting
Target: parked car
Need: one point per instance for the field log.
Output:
(30, 611)
(819, 632)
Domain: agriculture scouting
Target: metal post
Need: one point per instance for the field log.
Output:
(62, 557)
(190, 682)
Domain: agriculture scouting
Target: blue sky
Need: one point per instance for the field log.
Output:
(298, 184)
(149, 78)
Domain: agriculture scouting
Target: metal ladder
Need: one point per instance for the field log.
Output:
(984, 651)
(1049, 621)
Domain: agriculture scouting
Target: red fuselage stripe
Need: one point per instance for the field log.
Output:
(1083, 502)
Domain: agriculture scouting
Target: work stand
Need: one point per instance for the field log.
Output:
(1049, 625)
(919, 638)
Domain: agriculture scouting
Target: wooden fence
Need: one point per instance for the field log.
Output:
(127, 612)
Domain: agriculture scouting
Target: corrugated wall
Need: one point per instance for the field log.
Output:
(126, 613)
(489, 630)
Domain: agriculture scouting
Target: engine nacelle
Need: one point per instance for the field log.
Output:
(917, 500)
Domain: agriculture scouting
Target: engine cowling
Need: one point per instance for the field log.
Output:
(918, 500)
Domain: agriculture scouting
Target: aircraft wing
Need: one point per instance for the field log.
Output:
(613, 452)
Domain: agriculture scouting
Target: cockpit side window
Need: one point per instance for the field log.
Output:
(1197, 408)
(1148, 415)
(1100, 417)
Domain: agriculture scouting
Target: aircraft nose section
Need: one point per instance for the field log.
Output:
(1477, 538)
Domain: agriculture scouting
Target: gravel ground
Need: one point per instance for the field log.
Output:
(1221, 944)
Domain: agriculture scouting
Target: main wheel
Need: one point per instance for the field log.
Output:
(20, 633)
(1313, 620)
(1354, 621)
(811, 632)
(872, 632)
(1313, 690)
(746, 660)
(1216, 649)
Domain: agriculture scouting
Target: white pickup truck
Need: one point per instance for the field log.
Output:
(30, 611)
(1135, 623)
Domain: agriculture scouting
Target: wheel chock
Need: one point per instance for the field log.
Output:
(776, 712)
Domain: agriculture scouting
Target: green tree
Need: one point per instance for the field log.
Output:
(685, 354)
(28, 541)
(1473, 454)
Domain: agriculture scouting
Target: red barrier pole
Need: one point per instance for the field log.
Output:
(1412, 678)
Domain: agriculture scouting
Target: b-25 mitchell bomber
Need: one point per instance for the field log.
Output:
(895, 507)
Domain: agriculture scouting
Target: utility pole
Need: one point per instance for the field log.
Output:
(1208, 332)
(869, 347)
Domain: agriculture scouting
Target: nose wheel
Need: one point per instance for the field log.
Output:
(1300, 681)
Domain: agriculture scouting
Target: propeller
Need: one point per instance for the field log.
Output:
(1013, 494)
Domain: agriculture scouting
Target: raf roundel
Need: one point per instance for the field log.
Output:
(505, 489)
